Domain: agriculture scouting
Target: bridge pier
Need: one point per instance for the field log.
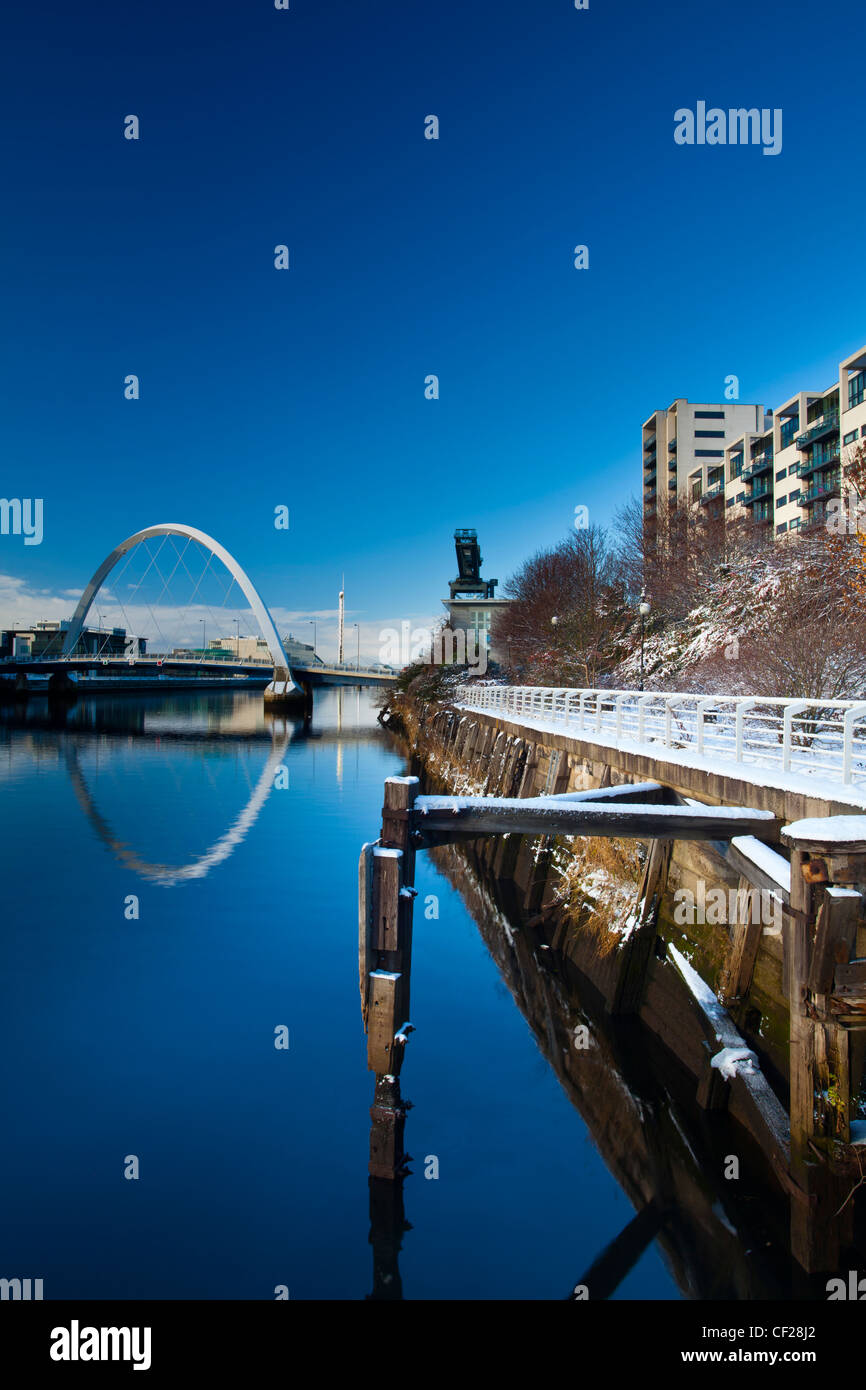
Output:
(284, 692)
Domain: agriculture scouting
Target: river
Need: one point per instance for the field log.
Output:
(180, 883)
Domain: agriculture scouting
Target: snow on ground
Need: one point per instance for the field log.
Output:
(809, 784)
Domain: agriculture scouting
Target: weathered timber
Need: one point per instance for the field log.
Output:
(635, 953)
(756, 1103)
(850, 978)
(366, 953)
(387, 881)
(437, 818)
(822, 930)
(388, 1116)
(384, 1054)
(836, 931)
(647, 793)
(746, 933)
(400, 796)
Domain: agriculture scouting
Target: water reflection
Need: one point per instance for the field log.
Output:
(161, 731)
(720, 1239)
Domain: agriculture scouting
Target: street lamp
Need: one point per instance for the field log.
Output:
(643, 609)
(312, 624)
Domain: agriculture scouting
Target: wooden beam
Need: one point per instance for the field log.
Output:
(438, 818)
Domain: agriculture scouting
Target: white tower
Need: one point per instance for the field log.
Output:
(342, 614)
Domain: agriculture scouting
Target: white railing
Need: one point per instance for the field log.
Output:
(825, 738)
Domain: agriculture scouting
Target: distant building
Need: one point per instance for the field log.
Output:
(776, 470)
(46, 638)
(471, 606)
(301, 653)
(241, 648)
(683, 451)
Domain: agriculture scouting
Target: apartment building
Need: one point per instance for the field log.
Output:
(778, 472)
(683, 452)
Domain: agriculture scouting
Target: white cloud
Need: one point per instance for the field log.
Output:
(168, 625)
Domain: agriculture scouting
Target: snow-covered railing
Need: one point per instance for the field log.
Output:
(826, 738)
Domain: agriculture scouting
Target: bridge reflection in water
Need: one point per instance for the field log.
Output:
(171, 727)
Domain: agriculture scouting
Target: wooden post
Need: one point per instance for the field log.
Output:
(388, 1116)
(387, 881)
(366, 953)
(384, 1054)
(399, 798)
(822, 936)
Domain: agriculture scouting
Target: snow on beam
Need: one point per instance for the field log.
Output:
(550, 815)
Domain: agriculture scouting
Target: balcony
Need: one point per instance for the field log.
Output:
(650, 446)
(712, 493)
(672, 447)
(672, 483)
(826, 488)
(756, 493)
(826, 425)
(762, 515)
(761, 463)
(819, 460)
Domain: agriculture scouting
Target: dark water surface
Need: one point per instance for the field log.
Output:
(155, 1037)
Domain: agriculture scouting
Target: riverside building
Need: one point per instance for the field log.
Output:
(777, 471)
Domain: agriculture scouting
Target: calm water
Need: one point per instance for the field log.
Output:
(155, 1037)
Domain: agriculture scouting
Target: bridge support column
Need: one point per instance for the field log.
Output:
(283, 691)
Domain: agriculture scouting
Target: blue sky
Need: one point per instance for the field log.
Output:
(408, 257)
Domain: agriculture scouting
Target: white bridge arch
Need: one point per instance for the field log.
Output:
(283, 680)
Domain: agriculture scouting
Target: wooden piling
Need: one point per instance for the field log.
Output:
(822, 937)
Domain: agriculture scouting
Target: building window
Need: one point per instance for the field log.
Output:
(788, 430)
(783, 473)
(696, 490)
(709, 454)
(780, 530)
(794, 496)
(730, 502)
(856, 389)
(736, 465)
(709, 434)
(849, 438)
(709, 415)
(780, 502)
